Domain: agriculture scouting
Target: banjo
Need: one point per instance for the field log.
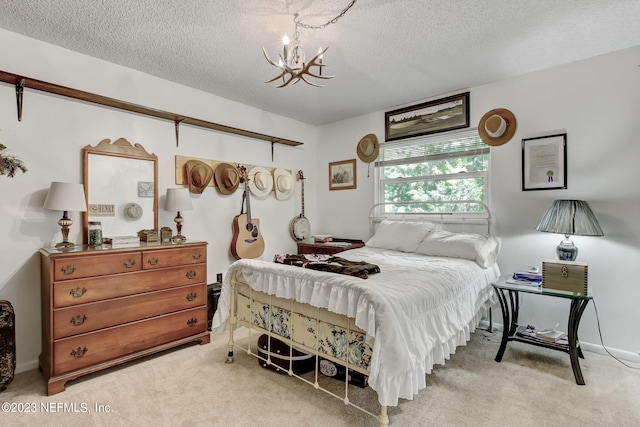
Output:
(300, 228)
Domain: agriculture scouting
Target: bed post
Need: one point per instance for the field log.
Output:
(383, 418)
(232, 318)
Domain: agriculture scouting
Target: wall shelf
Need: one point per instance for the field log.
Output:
(22, 82)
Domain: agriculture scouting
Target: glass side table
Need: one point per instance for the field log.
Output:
(508, 294)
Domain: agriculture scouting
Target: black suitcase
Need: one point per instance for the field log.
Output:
(7, 344)
(281, 357)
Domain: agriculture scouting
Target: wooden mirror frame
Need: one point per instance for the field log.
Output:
(119, 148)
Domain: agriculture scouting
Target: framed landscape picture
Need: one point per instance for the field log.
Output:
(342, 175)
(440, 115)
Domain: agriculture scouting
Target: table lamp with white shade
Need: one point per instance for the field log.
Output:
(65, 197)
(178, 199)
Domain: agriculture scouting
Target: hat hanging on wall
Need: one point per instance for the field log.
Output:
(260, 181)
(497, 126)
(199, 175)
(227, 178)
(133, 211)
(283, 183)
(368, 149)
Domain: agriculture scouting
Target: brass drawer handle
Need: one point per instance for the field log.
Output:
(192, 321)
(191, 274)
(77, 292)
(69, 269)
(196, 255)
(79, 352)
(78, 320)
(130, 263)
(192, 296)
(154, 260)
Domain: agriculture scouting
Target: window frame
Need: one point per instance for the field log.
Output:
(442, 138)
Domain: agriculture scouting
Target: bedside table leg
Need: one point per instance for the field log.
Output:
(575, 313)
(505, 323)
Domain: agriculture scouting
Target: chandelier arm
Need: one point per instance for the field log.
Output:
(310, 83)
(277, 77)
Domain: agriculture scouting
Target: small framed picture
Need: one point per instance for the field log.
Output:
(342, 175)
(544, 162)
(145, 189)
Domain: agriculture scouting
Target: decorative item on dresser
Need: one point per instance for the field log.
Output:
(103, 307)
(65, 197)
(178, 199)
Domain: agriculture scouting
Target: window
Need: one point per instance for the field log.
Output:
(446, 167)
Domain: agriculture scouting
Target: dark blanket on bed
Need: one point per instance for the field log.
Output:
(329, 263)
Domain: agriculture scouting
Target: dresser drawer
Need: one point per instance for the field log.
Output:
(93, 316)
(81, 291)
(173, 257)
(98, 265)
(92, 348)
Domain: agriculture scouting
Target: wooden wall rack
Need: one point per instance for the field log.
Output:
(22, 82)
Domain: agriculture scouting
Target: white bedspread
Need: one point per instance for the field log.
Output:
(418, 309)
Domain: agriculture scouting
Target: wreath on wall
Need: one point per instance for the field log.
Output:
(9, 165)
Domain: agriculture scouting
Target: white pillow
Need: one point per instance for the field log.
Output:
(400, 235)
(482, 249)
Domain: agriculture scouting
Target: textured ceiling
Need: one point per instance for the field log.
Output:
(384, 53)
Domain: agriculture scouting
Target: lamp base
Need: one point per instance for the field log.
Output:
(566, 250)
(65, 245)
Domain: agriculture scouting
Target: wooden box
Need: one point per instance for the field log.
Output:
(570, 276)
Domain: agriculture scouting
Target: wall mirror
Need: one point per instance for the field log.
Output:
(120, 184)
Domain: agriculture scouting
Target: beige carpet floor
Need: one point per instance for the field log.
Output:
(192, 386)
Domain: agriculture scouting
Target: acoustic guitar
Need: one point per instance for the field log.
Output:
(300, 227)
(247, 240)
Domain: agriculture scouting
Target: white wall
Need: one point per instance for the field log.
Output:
(597, 103)
(53, 130)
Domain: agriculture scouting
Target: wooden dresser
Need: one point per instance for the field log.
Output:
(105, 306)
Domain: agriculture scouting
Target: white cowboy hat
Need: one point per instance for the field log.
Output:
(368, 148)
(260, 181)
(283, 183)
(497, 126)
(133, 211)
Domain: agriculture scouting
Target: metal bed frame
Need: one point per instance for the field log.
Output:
(376, 215)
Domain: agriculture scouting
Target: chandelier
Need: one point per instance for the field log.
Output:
(292, 64)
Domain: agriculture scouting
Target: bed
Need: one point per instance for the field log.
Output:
(433, 288)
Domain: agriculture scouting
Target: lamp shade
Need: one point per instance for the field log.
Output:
(570, 217)
(64, 196)
(178, 199)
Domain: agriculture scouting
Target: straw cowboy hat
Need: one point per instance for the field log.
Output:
(198, 174)
(283, 183)
(260, 181)
(368, 148)
(497, 126)
(227, 178)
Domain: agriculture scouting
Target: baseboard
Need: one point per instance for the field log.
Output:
(23, 367)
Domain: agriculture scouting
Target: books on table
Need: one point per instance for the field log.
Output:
(525, 279)
(547, 335)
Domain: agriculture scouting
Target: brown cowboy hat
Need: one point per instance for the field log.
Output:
(497, 126)
(227, 178)
(199, 175)
(368, 148)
